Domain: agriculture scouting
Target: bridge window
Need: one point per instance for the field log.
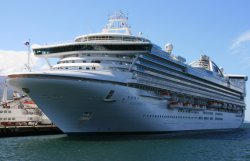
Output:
(95, 61)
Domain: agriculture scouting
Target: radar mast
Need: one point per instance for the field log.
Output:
(118, 24)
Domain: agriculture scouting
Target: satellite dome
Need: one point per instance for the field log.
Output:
(169, 48)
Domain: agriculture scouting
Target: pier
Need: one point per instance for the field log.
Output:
(8, 131)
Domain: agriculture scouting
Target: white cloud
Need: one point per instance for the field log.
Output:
(240, 40)
(240, 48)
(14, 61)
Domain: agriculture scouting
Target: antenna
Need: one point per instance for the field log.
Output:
(202, 52)
(27, 43)
(118, 23)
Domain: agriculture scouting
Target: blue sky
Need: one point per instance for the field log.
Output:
(220, 29)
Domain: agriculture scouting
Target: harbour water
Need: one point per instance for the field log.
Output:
(221, 145)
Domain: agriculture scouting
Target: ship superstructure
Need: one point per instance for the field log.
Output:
(116, 82)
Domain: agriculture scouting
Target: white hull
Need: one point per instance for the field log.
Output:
(79, 107)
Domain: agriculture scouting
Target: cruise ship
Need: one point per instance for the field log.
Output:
(116, 82)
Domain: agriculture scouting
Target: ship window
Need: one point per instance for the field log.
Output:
(80, 67)
(84, 61)
(206, 118)
(5, 111)
(9, 118)
(95, 61)
(13, 118)
(9, 111)
(1, 111)
(5, 118)
(87, 68)
(93, 68)
(0, 118)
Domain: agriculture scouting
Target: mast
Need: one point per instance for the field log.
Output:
(27, 43)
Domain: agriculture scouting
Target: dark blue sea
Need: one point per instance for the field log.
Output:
(202, 146)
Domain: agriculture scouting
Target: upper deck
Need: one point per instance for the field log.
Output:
(96, 46)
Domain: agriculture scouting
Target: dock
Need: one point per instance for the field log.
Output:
(9, 131)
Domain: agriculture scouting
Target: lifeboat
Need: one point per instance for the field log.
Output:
(196, 106)
(230, 106)
(166, 95)
(187, 105)
(203, 107)
(214, 104)
(224, 105)
(29, 104)
(175, 105)
(234, 107)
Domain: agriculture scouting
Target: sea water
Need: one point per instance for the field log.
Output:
(232, 145)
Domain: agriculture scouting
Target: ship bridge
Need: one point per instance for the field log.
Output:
(115, 36)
